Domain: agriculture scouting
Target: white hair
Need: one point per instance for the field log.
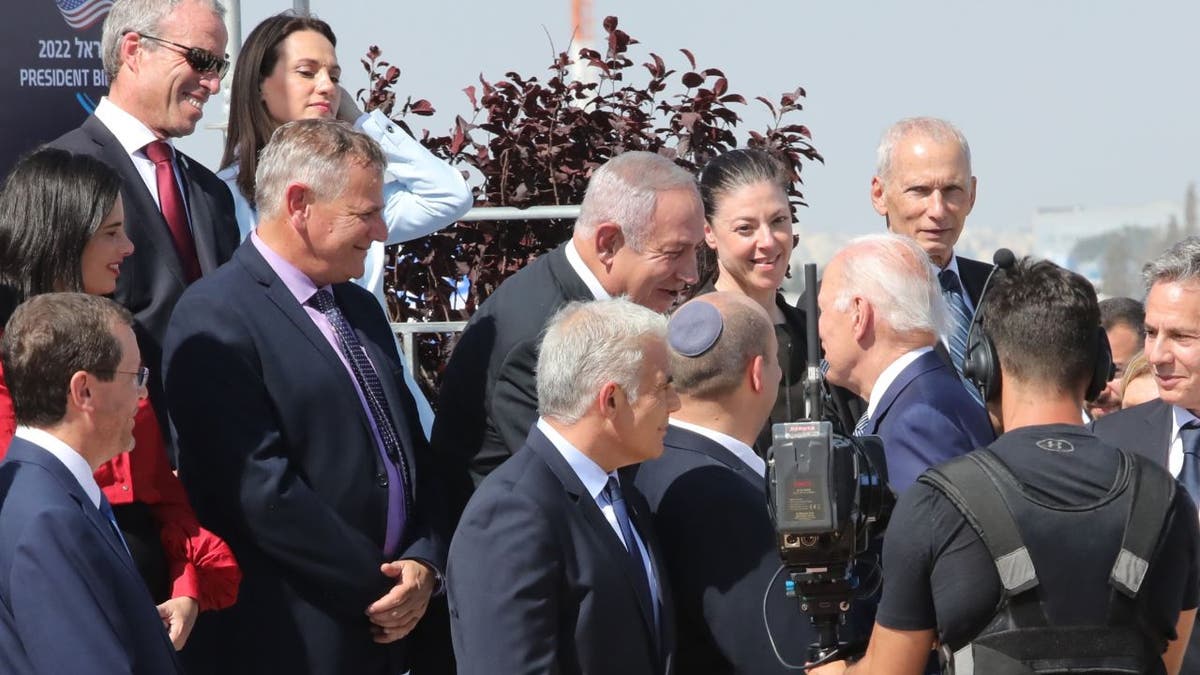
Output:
(1180, 262)
(588, 344)
(624, 191)
(315, 153)
(137, 16)
(930, 127)
(894, 274)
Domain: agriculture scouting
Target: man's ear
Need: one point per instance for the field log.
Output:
(296, 200)
(609, 399)
(127, 50)
(608, 241)
(755, 371)
(877, 196)
(862, 314)
(79, 391)
(974, 185)
(710, 238)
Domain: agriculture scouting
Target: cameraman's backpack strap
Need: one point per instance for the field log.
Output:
(970, 483)
(1154, 492)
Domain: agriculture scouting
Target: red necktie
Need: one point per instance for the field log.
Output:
(171, 202)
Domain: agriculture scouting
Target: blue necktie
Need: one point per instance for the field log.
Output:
(1189, 475)
(612, 492)
(368, 381)
(960, 318)
(107, 511)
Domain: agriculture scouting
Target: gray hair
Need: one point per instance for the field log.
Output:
(893, 273)
(1180, 262)
(313, 152)
(744, 335)
(625, 190)
(137, 16)
(588, 344)
(929, 127)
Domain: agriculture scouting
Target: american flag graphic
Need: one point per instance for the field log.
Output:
(83, 14)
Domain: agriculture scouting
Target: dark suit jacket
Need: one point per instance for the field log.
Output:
(71, 600)
(488, 399)
(925, 417)
(1146, 430)
(152, 279)
(710, 511)
(973, 274)
(279, 459)
(539, 582)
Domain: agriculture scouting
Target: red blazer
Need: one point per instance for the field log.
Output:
(200, 564)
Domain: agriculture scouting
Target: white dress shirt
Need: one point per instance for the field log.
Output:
(739, 449)
(71, 459)
(889, 375)
(133, 137)
(585, 274)
(1180, 417)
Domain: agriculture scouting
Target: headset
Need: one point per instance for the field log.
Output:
(981, 366)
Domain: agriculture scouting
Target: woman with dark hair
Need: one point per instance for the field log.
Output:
(62, 229)
(288, 70)
(749, 233)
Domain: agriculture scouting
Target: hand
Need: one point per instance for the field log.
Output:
(348, 110)
(395, 615)
(832, 668)
(179, 616)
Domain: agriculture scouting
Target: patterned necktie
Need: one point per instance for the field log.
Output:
(372, 389)
(612, 492)
(860, 427)
(170, 200)
(107, 511)
(1189, 475)
(960, 319)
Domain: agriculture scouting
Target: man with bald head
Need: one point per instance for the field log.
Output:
(924, 189)
(637, 232)
(707, 492)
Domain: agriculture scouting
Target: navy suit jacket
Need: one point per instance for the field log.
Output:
(488, 398)
(925, 417)
(539, 582)
(279, 459)
(710, 511)
(71, 600)
(152, 279)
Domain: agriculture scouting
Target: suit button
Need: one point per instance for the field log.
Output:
(381, 479)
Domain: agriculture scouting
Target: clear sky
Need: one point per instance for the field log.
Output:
(1089, 102)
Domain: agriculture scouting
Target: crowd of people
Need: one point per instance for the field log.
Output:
(215, 461)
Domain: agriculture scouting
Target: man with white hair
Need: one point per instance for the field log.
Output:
(554, 566)
(299, 443)
(880, 312)
(924, 189)
(637, 232)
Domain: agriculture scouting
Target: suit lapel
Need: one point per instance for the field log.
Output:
(569, 283)
(611, 543)
(201, 212)
(974, 275)
(1161, 423)
(690, 441)
(144, 221)
(923, 364)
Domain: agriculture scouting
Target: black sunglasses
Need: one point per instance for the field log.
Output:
(201, 60)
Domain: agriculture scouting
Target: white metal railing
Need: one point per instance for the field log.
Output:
(405, 330)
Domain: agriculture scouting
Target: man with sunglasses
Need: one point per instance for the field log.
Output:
(164, 60)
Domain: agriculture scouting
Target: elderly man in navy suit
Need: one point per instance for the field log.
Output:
(71, 599)
(554, 567)
(299, 443)
(707, 494)
(881, 311)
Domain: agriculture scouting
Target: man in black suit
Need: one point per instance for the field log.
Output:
(1167, 429)
(707, 494)
(554, 567)
(299, 443)
(638, 227)
(178, 214)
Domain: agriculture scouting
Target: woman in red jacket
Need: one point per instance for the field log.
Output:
(62, 229)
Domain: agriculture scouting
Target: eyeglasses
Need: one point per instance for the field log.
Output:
(140, 376)
(201, 60)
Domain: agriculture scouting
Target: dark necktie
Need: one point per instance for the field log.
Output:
(960, 319)
(372, 389)
(1189, 475)
(612, 492)
(170, 201)
(107, 511)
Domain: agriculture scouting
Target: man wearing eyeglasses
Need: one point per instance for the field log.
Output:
(164, 61)
(71, 599)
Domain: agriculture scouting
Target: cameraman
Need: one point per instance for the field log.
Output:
(1069, 495)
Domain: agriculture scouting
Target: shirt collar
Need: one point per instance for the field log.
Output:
(593, 477)
(739, 449)
(129, 131)
(69, 457)
(889, 375)
(1180, 416)
(297, 282)
(585, 274)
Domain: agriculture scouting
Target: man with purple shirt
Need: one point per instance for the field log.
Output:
(298, 441)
